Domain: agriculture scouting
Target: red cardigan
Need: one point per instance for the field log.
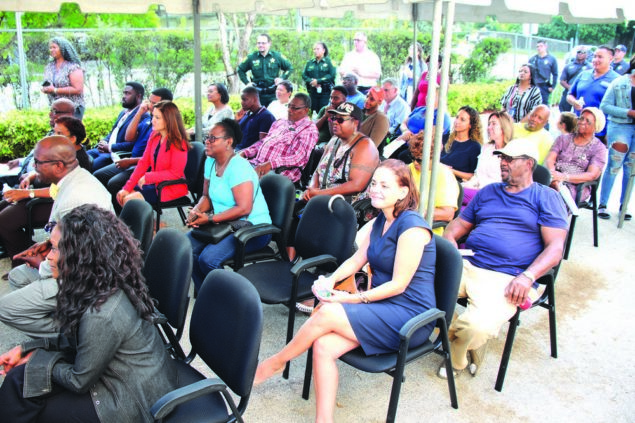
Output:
(170, 165)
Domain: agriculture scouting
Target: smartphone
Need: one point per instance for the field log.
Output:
(46, 83)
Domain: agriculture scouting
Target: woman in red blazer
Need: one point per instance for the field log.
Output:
(164, 158)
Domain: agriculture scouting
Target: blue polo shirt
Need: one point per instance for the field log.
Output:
(592, 89)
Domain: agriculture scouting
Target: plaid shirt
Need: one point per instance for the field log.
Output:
(288, 145)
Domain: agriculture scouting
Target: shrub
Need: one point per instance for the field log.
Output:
(482, 97)
(21, 130)
(483, 58)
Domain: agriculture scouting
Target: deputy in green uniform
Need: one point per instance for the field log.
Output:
(267, 68)
(319, 77)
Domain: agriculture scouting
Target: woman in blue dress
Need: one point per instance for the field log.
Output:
(401, 254)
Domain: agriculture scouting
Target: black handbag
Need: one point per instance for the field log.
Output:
(213, 233)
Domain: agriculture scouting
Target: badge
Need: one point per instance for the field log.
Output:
(272, 60)
(547, 62)
(255, 63)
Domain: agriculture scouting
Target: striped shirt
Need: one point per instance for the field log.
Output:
(288, 145)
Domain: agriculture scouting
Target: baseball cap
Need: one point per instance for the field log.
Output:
(520, 147)
(621, 47)
(348, 109)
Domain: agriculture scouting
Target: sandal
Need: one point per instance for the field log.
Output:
(304, 308)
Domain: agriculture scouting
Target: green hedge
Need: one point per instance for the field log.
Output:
(20, 130)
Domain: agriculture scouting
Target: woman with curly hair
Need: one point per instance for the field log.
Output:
(463, 147)
(63, 76)
(108, 363)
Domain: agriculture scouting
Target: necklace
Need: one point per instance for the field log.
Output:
(221, 169)
(579, 151)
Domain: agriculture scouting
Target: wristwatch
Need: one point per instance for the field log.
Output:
(31, 193)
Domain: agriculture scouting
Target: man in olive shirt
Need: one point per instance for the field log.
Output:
(267, 68)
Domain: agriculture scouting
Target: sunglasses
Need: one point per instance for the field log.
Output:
(509, 159)
(297, 107)
(338, 119)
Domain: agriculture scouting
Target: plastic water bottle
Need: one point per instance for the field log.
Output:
(321, 288)
(527, 304)
(319, 89)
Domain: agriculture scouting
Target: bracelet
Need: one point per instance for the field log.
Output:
(210, 217)
(362, 296)
(54, 90)
(529, 275)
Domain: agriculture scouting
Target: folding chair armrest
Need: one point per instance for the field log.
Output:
(593, 184)
(123, 154)
(304, 265)
(439, 224)
(248, 232)
(164, 184)
(168, 402)
(36, 201)
(244, 234)
(419, 321)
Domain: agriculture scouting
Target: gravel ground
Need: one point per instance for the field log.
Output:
(594, 294)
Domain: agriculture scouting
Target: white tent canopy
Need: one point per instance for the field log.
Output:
(534, 11)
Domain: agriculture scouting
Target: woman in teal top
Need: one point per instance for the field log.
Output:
(319, 77)
(231, 191)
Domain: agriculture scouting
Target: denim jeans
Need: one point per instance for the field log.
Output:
(624, 133)
(208, 257)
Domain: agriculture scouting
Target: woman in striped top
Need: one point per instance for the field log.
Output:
(523, 96)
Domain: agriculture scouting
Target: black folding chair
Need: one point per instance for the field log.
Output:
(447, 279)
(323, 240)
(225, 332)
(168, 272)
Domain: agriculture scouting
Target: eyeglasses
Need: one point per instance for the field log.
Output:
(357, 39)
(509, 159)
(212, 139)
(581, 52)
(297, 107)
(416, 160)
(37, 162)
(338, 119)
(59, 112)
(48, 228)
